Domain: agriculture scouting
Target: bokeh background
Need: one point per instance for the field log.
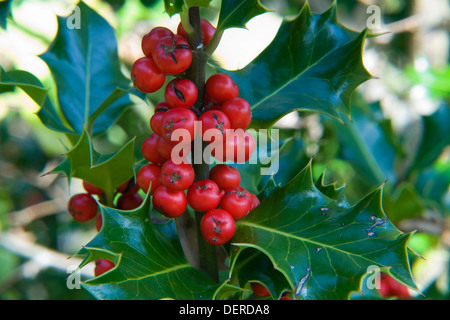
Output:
(408, 55)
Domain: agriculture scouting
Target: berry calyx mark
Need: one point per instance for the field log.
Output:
(241, 194)
(219, 125)
(171, 49)
(216, 226)
(178, 92)
(174, 177)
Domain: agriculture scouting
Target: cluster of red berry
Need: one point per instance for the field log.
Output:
(83, 207)
(172, 182)
(166, 53)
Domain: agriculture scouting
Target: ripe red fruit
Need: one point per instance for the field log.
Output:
(236, 145)
(150, 39)
(128, 187)
(178, 118)
(82, 207)
(255, 202)
(237, 201)
(149, 176)
(129, 201)
(259, 289)
(170, 203)
(102, 266)
(389, 287)
(217, 226)
(98, 222)
(155, 120)
(207, 31)
(90, 188)
(225, 176)
(146, 76)
(215, 119)
(238, 111)
(180, 93)
(149, 150)
(177, 177)
(172, 55)
(164, 147)
(204, 195)
(220, 88)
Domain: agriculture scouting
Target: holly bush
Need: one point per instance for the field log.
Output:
(274, 224)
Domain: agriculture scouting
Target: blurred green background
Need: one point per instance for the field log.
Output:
(402, 116)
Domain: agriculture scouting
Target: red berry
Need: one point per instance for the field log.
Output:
(177, 177)
(179, 118)
(164, 147)
(128, 187)
(149, 150)
(149, 176)
(215, 119)
(102, 266)
(146, 76)
(204, 195)
(259, 289)
(172, 55)
(98, 222)
(155, 120)
(389, 287)
(170, 203)
(225, 176)
(82, 207)
(180, 93)
(255, 202)
(150, 39)
(217, 226)
(207, 31)
(238, 111)
(129, 201)
(237, 201)
(236, 145)
(90, 188)
(220, 88)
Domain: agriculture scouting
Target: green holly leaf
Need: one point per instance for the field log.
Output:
(33, 87)
(435, 137)
(88, 53)
(369, 144)
(149, 260)
(104, 171)
(236, 13)
(277, 159)
(251, 265)
(322, 246)
(176, 6)
(5, 12)
(432, 183)
(313, 64)
(404, 203)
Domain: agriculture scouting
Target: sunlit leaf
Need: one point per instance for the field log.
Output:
(313, 64)
(324, 247)
(85, 66)
(149, 260)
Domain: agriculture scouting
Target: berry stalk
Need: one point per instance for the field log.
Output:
(197, 73)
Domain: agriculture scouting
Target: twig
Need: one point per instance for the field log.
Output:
(46, 258)
(31, 213)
